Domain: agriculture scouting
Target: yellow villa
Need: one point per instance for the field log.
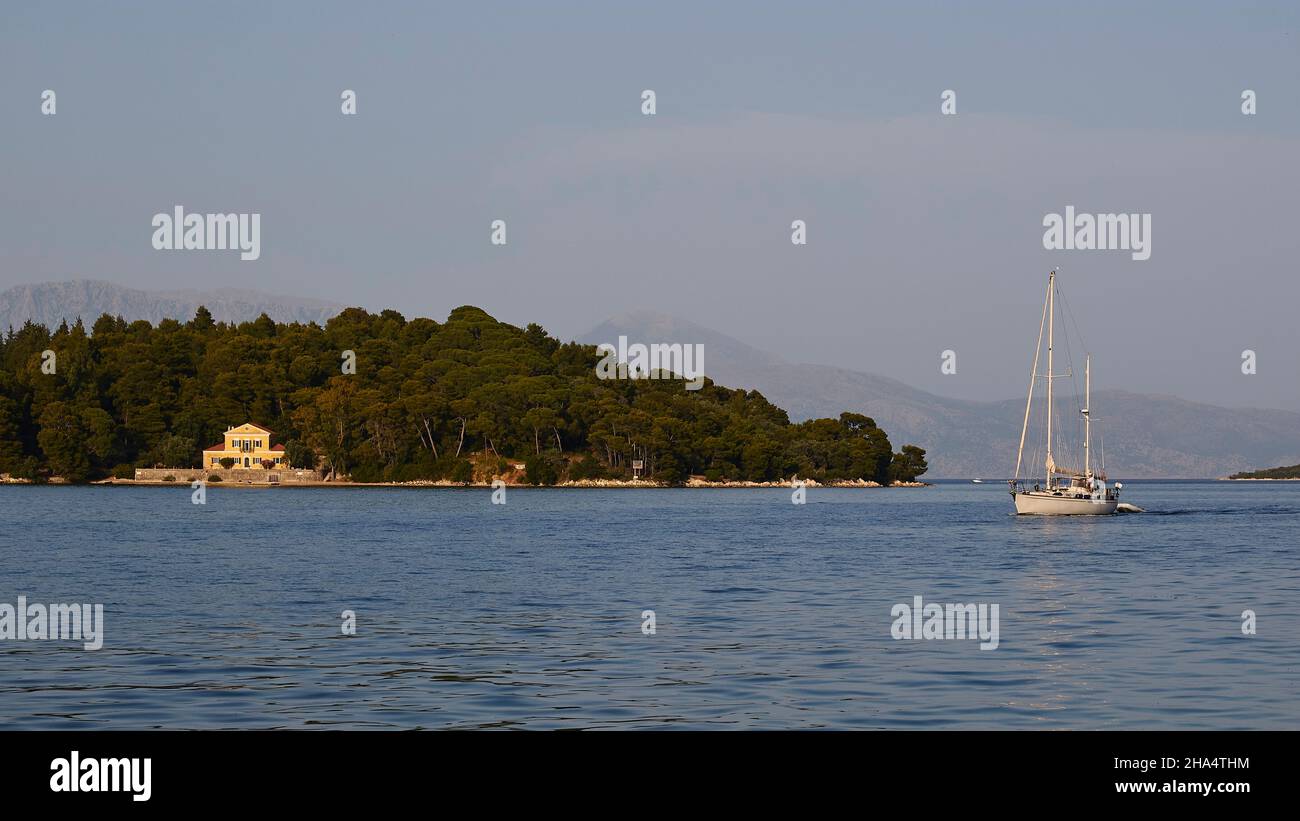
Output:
(249, 445)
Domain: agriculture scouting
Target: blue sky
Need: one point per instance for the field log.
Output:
(924, 231)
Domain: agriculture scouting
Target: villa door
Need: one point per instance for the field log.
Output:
(246, 462)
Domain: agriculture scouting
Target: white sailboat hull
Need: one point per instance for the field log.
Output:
(1048, 504)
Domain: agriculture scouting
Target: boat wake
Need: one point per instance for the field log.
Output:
(1275, 510)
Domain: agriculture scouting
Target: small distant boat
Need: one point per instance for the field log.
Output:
(977, 481)
(1064, 490)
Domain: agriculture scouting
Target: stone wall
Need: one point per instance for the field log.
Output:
(234, 476)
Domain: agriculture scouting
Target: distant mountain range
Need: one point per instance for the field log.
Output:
(49, 303)
(1146, 436)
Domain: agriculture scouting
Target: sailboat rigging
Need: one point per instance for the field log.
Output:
(1066, 489)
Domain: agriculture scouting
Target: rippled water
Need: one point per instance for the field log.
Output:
(769, 615)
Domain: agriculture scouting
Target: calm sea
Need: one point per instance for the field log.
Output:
(767, 614)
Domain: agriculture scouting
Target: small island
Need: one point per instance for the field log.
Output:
(382, 400)
(1291, 472)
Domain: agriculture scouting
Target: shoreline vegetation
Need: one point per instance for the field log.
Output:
(447, 483)
(1278, 474)
(377, 400)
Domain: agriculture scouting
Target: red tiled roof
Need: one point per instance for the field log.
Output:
(217, 446)
(278, 447)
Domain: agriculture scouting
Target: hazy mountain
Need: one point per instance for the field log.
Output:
(49, 303)
(1142, 435)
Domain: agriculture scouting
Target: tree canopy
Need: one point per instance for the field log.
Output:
(1285, 472)
(425, 396)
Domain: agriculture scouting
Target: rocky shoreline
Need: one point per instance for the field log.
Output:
(580, 483)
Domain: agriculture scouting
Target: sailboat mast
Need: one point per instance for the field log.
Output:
(1087, 416)
(1051, 338)
(1033, 376)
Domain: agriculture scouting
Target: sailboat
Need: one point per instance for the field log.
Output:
(1065, 490)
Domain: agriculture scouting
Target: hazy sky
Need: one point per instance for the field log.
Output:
(924, 231)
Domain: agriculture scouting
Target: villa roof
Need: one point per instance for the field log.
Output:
(217, 446)
(278, 447)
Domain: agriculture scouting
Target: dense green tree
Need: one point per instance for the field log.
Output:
(202, 321)
(541, 470)
(63, 438)
(174, 451)
(299, 454)
(425, 399)
(908, 464)
(11, 446)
